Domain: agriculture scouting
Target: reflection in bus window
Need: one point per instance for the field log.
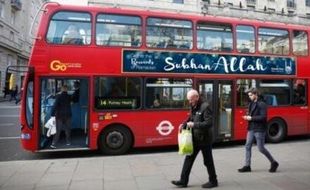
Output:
(273, 41)
(117, 93)
(72, 35)
(69, 28)
(29, 104)
(245, 39)
(169, 33)
(215, 37)
(299, 92)
(300, 43)
(117, 30)
(275, 92)
(243, 85)
(171, 93)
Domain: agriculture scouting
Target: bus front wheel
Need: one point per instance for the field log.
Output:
(115, 140)
(276, 130)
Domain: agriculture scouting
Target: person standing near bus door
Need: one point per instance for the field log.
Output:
(201, 122)
(62, 111)
(76, 94)
(257, 125)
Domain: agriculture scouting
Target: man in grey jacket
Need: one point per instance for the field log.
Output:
(201, 122)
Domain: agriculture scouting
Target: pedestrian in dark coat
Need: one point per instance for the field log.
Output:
(62, 111)
(257, 126)
(201, 122)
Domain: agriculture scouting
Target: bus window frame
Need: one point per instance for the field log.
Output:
(146, 107)
(273, 28)
(192, 42)
(93, 97)
(72, 21)
(221, 24)
(305, 91)
(292, 41)
(117, 14)
(236, 39)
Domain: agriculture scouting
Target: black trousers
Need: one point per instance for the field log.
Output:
(206, 151)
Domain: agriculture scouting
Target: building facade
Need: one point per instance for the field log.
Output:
(288, 11)
(16, 18)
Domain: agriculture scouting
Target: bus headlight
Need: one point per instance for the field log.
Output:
(25, 136)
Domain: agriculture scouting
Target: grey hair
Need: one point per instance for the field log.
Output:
(192, 92)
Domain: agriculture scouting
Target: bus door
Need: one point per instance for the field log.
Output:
(78, 91)
(219, 95)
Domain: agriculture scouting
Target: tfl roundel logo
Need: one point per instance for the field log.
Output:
(165, 128)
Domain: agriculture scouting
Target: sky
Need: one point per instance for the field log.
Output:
(72, 2)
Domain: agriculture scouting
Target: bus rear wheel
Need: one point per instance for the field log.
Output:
(276, 130)
(115, 140)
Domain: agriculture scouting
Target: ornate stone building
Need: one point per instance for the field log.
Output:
(288, 11)
(16, 17)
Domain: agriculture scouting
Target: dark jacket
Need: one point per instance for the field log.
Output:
(62, 106)
(202, 131)
(258, 112)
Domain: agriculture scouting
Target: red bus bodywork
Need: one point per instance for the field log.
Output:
(92, 60)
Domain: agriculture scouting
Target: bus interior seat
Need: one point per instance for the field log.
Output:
(270, 99)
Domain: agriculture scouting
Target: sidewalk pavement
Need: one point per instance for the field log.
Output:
(155, 171)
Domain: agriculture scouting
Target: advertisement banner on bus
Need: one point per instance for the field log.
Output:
(179, 62)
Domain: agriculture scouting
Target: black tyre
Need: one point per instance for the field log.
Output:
(276, 130)
(115, 140)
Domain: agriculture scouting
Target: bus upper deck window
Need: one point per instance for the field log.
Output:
(273, 41)
(245, 39)
(69, 28)
(300, 43)
(118, 30)
(214, 36)
(169, 33)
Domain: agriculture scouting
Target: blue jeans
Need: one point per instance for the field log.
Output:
(260, 141)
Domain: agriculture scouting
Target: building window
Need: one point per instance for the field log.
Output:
(291, 3)
(10, 60)
(1, 9)
(12, 36)
(178, 1)
(1, 29)
(13, 17)
(308, 3)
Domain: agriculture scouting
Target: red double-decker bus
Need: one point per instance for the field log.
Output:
(134, 68)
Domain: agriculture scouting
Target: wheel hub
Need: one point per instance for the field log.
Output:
(115, 139)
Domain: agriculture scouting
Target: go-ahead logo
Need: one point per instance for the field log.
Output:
(165, 128)
(57, 65)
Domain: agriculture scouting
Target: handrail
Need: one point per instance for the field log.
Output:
(35, 18)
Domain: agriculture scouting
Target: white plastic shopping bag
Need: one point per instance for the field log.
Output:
(51, 126)
(185, 142)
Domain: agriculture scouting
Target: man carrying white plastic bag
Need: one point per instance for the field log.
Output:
(199, 125)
